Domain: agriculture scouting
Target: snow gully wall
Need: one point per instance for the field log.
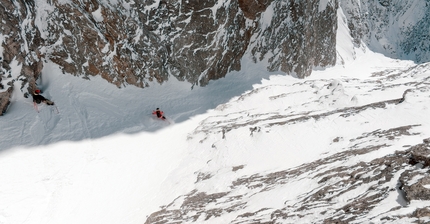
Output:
(396, 28)
(134, 43)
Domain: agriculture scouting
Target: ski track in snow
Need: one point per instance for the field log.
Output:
(94, 109)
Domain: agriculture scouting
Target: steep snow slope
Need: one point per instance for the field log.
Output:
(121, 153)
(89, 112)
(264, 155)
(328, 149)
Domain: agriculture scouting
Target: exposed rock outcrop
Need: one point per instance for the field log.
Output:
(5, 100)
(299, 37)
(20, 42)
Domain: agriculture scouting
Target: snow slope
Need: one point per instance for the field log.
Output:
(126, 163)
(93, 109)
(268, 154)
(58, 167)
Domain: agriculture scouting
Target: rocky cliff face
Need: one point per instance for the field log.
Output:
(134, 43)
(20, 44)
(398, 29)
(299, 36)
(137, 42)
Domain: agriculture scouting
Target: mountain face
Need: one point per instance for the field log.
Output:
(398, 29)
(350, 149)
(137, 42)
(134, 43)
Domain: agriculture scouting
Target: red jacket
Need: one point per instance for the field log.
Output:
(159, 113)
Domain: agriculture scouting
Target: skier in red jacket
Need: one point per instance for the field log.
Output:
(159, 113)
(37, 99)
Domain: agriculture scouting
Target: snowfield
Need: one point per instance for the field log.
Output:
(103, 150)
(105, 159)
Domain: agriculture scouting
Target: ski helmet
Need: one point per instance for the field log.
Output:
(37, 91)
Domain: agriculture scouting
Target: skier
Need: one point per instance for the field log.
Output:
(159, 113)
(37, 99)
